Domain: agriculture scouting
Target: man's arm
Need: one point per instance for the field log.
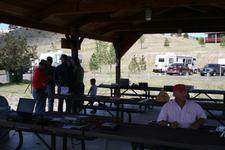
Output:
(199, 122)
(201, 117)
(90, 90)
(163, 118)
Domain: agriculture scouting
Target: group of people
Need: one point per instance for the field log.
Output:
(68, 77)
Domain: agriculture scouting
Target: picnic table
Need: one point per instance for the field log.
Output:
(118, 102)
(148, 92)
(138, 134)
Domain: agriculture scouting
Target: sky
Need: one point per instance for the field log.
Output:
(5, 26)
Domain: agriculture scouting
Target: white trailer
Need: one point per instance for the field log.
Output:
(221, 61)
(162, 62)
(55, 57)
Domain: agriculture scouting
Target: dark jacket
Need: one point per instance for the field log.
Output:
(50, 72)
(63, 75)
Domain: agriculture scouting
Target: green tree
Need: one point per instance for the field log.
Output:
(15, 55)
(142, 63)
(223, 41)
(93, 63)
(141, 41)
(101, 53)
(166, 42)
(186, 35)
(134, 66)
(201, 41)
(111, 57)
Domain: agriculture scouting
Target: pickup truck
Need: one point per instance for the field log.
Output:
(213, 70)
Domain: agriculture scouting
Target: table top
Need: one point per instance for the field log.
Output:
(139, 133)
(164, 136)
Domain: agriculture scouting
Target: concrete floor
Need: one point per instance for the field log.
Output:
(31, 142)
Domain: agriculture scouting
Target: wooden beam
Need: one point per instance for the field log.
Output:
(31, 24)
(52, 28)
(126, 40)
(54, 4)
(25, 4)
(166, 23)
(13, 9)
(91, 6)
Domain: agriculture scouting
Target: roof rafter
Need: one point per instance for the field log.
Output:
(69, 6)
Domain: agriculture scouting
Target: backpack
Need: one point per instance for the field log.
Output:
(162, 96)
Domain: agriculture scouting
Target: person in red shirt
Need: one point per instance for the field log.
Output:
(39, 83)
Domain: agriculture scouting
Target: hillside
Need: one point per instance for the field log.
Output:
(152, 46)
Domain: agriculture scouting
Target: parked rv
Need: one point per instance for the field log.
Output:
(162, 62)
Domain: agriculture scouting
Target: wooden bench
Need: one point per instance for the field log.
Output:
(117, 110)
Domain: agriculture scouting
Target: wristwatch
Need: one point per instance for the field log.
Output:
(168, 124)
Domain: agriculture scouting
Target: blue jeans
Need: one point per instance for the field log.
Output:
(40, 97)
(61, 101)
(50, 89)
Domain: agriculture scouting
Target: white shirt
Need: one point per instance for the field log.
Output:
(185, 116)
(93, 90)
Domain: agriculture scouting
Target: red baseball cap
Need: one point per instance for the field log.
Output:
(179, 88)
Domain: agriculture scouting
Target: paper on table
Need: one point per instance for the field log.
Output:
(64, 90)
(73, 126)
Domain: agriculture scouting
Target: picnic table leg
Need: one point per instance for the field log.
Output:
(83, 144)
(122, 112)
(111, 92)
(141, 147)
(53, 142)
(117, 111)
(134, 146)
(64, 142)
(20, 141)
(42, 140)
(224, 104)
(129, 116)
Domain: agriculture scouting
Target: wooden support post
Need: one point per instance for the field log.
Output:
(117, 47)
(118, 69)
(75, 44)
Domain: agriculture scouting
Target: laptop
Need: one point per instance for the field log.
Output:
(124, 82)
(24, 110)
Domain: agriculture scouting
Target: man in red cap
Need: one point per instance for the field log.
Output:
(181, 112)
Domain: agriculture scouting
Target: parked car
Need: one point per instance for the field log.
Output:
(179, 69)
(213, 70)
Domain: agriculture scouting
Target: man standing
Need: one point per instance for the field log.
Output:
(50, 89)
(78, 84)
(63, 78)
(181, 112)
(39, 83)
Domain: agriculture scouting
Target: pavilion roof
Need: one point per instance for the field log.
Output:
(115, 20)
